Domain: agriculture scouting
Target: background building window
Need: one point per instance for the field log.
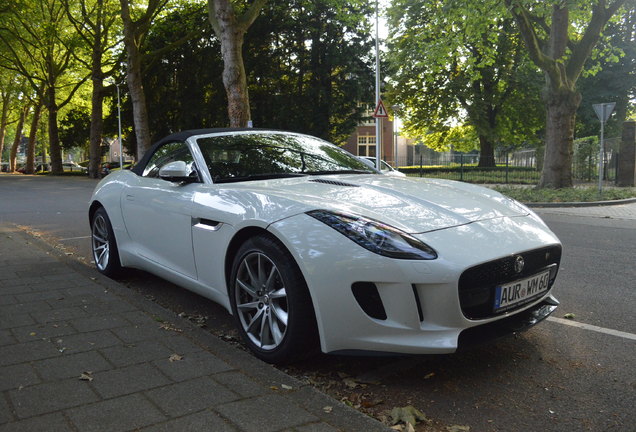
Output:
(366, 145)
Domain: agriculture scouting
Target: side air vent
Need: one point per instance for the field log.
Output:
(334, 183)
(368, 297)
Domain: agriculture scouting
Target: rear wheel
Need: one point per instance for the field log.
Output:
(271, 302)
(104, 246)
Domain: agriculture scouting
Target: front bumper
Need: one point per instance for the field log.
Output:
(507, 326)
(332, 264)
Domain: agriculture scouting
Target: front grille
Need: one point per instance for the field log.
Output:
(477, 284)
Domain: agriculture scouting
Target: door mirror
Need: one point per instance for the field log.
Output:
(178, 171)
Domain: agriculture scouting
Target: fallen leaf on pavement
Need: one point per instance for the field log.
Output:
(458, 428)
(175, 357)
(407, 414)
(286, 387)
(86, 376)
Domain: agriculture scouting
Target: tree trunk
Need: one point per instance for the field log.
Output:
(486, 153)
(135, 82)
(561, 106)
(18, 137)
(234, 79)
(54, 137)
(30, 162)
(4, 120)
(231, 29)
(97, 122)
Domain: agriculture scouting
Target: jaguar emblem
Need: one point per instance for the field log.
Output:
(519, 264)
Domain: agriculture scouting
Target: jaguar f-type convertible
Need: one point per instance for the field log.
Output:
(310, 248)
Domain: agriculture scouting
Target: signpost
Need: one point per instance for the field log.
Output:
(603, 112)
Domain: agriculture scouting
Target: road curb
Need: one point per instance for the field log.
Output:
(581, 204)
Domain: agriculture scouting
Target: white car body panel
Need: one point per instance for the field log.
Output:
(181, 233)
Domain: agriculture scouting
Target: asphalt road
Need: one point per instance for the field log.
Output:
(574, 375)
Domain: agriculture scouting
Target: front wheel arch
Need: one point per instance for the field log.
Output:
(300, 338)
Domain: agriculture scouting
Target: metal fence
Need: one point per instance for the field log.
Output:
(521, 166)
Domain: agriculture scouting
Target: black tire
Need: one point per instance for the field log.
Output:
(271, 303)
(104, 246)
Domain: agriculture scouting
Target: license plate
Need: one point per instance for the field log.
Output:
(509, 295)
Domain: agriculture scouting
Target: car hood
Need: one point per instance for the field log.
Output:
(413, 205)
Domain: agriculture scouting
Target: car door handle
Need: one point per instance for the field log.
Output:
(130, 197)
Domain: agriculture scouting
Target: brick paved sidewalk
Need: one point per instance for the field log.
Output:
(142, 367)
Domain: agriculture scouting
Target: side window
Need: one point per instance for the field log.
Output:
(170, 152)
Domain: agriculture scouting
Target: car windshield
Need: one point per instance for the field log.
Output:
(256, 156)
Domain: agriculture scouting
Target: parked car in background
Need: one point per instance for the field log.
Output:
(386, 169)
(108, 167)
(311, 248)
(73, 167)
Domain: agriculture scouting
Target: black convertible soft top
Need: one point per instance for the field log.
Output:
(182, 136)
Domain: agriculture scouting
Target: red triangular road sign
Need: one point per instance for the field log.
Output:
(380, 110)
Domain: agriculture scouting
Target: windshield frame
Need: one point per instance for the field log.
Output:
(355, 167)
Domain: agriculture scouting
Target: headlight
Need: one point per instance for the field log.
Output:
(375, 236)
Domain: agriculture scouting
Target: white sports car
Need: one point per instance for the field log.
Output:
(307, 246)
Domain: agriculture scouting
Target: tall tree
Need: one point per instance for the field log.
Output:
(230, 20)
(40, 48)
(560, 36)
(94, 22)
(135, 31)
(22, 115)
(456, 63)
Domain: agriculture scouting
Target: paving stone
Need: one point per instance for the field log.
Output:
(180, 344)
(72, 365)
(265, 413)
(43, 331)
(127, 380)
(7, 299)
(136, 333)
(5, 412)
(100, 322)
(190, 396)
(24, 352)
(120, 414)
(240, 383)
(16, 376)
(17, 320)
(139, 352)
(24, 283)
(6, 338)
(140, 318)
(87, 341)
(193, 365)
(316, 427)
(201, 421)
(59, 314)
(50, 397)
(24, 308)
(49, 423)
(39, 295)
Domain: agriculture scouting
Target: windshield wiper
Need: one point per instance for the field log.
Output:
(266, 176)
(332, 172)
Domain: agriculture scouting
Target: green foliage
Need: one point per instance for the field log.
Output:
(309, 65)
(307, 62)
(75, 129)
(460, 62)
(613, 79)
